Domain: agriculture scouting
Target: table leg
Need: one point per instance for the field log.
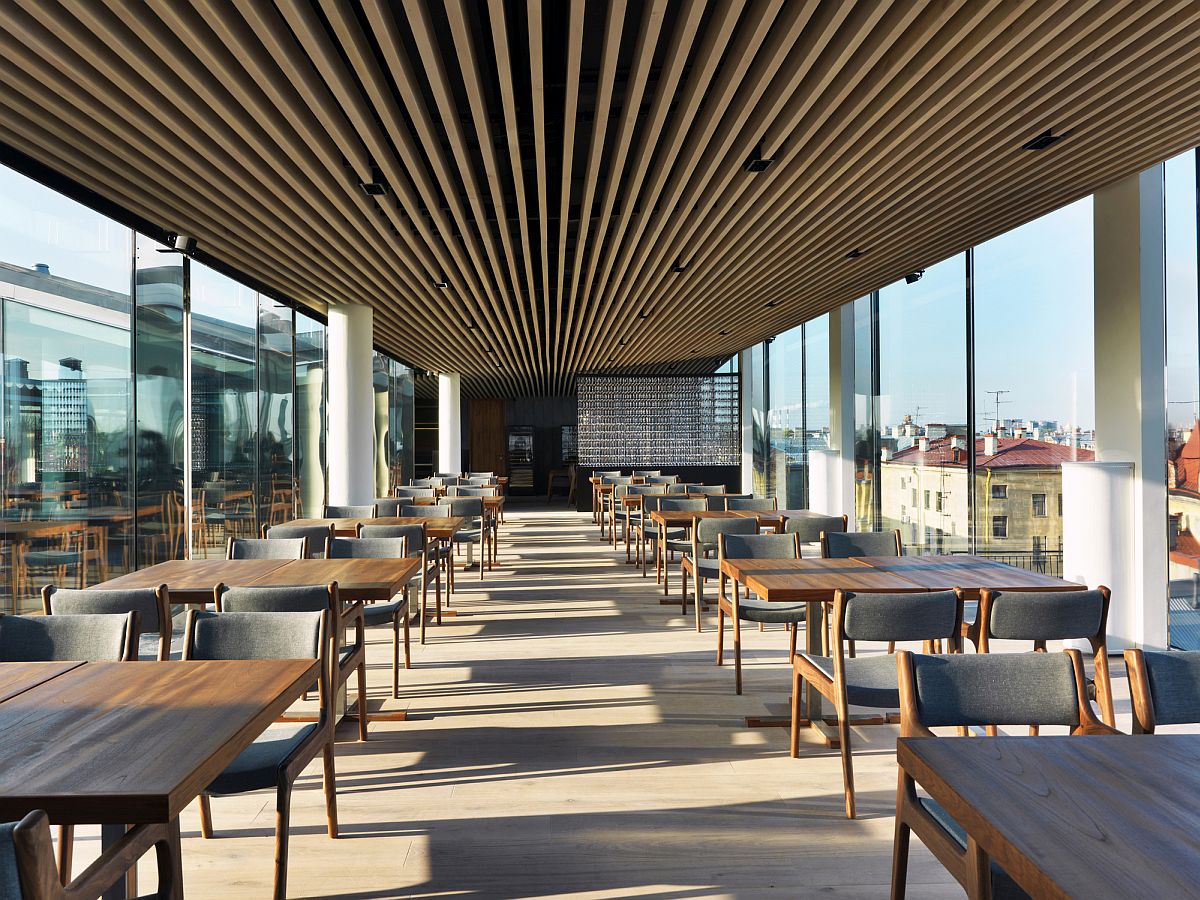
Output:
(127, 887)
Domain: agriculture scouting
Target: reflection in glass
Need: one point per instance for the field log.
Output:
(381, 384)
(275, 481)
(798, 417)
(310, 414)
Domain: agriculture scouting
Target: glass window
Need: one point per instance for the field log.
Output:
(65, 276)
(758, 379)
(1039, 506)
(999, 526)
(1034, 392)
(276, 412)
(999, 491)
(923, 406)
(310, 414)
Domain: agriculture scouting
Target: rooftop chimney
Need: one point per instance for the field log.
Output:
(885, 454)
(954, 442)
(42, 268)
(923, 444)
(1019, 432)
(989, 444)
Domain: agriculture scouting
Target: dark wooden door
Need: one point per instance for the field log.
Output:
(488, 436)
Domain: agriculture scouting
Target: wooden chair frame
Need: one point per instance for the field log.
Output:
(320, 741)
(970, 867)
(834, 689)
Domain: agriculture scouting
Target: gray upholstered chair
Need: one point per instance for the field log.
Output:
(389, 507)
(869, 681)
(472, 490)
(278, 756)
(810, 528)
(442, 551)
(629, 516)
(426, 511)
(964, 691)
(731, 545)
(152, 605)
(431, 565)
(424, 483)
(701, 563)
(707, 489)
(647, 473)
(680, 487)
(1164, 687)
(608, 501)
(349, 659)
(349, 512)
(28, 871)
(267, 548)
(474, 533)
(661, 479)
(396, 609)
(1041, 616)
(616, 473)
(317, 535)
(669, 541)
(415, 492)
(489, 477)
(714, 502)
(845, 544)
(96, 637)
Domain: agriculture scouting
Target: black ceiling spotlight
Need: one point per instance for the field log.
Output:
(914, 277)
(623, 341)
(771, 304)
(441, 282)
(679, 266)
(722, 333)
(373, 188)
(757, 162)
(1043, 140)
(180, 243)
(644, 314)
(854, 254)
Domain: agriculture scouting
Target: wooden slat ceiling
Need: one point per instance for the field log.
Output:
(574, 171)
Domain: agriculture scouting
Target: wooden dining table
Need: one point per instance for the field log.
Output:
(121, 744)
(18, 677)
(1104, 816)
(440, 528)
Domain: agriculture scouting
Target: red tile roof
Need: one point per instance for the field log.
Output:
(1186, 466)
(1010, 453)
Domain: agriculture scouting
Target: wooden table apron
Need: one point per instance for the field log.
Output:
(1096, 816)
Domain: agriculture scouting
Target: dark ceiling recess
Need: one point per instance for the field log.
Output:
(552, 159)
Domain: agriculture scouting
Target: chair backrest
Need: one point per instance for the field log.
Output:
(317, 535)
(1164, 687)
(683, 505)
(426, 511)
(647, 473)
(366, 548)
(274, 634)
(643, 489)
(267, 548)
(88, 637)
(679, 487)
(1043, 615)
(460, 491)
(152, 605)
(616, 479)
(274, 599)
(715, 502)
(758, 546)
(386, 507)
(841, 545)
(414, 535)
(990, 689)
(896, 617)
(603, 475)
(349, 512)
(478, 481)
(425, 482)
(706, 489)
(416, 492)
(708, 531)
(470, 507)
(488, 475)
(759, 504)
(810, 528)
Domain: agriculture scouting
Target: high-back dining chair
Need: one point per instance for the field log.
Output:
(647, 473)
(349, 512)
(92, 637)
(970, 691)
(845, 544)
(748, 545)
(1164, 687)
(415, 491)
(152, 605)
(706, 489)
(267, 548)
(810, 528)
(345, 659)
(475, 531)
(869, 680)
(417, 544)
(701, 562)
(442, 551)
(278, 756)
(669, 541)
(389, 507)
(317, 535)
(1041, 616)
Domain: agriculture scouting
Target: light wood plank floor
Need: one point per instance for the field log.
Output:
(571, 737)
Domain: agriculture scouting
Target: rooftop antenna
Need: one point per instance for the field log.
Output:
(997, 401)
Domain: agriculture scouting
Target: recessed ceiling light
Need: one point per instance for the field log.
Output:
(678, 267)
(1042, 141)
(757, 162)
(440, 284)
(722, 333)
(771, 304)
(373, 188)
(643, 314)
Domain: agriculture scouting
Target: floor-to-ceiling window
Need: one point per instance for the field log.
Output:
(310, 414)
(275, 477)
(797, 418)
(1183, 400)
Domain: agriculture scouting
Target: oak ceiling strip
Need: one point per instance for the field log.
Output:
(614, 24)
(759, 55)
(575, 21)
(512, 129)
(1001, 149)
(537, 78)
(861, 40)
(421, 25)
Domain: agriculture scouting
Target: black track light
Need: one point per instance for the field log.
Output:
(1042, 141)
(757, 162)
(373, 188)
(854, 254)
(914, 277)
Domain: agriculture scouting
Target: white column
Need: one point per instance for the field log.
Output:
(744, 374)
(350, 430)
(1130, 353)
(449, 423)
(838, 466)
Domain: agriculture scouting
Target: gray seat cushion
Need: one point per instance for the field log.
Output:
(754, 610)
(257, 767)
(380, 613)
(673, 534)
(10, 881)
(1003, 887)
(709, 568)
(870, 680)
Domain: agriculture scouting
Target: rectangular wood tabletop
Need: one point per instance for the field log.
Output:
(193, 580)
(18, 677)
(677, 518)
(796, 580)
(136, 742)
(357, 579)
(442, 528)
(1097, 816)
(970, 573)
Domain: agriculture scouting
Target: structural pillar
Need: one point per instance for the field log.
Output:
(831, 473)
(449, 424)
(1130, 364)
(350, 432)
